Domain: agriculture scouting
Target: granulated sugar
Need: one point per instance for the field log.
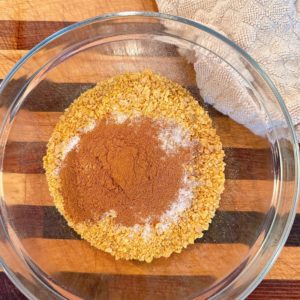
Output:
(73, 141)
(119, 118)
(146, 234)
(89, 127)
(183, 202)
(67, 147)
(172, 137)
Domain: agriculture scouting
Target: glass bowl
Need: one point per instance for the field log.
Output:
(46, 260)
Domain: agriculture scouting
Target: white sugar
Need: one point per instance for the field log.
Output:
(119, 117)
(134, 230)
(145, 230)
(89, 127)
(146, 234)
(172, 137)
(56, 171)
(182, 202)
(66, 148)
(73, 141)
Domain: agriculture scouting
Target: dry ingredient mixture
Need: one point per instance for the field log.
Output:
(135, 166)
(122, 168)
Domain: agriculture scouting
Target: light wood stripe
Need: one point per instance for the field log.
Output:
(287, 265)
(57, 10)
(196, 259)
(8, 59)
(84, 68)
(199, 259)
(32, 189)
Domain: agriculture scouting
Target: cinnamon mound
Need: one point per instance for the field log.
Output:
(121, 168)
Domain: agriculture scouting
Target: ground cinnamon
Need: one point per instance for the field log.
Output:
(121, 167)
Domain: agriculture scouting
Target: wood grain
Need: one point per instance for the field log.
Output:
(254, 164)
(95, 261)
(287, 265)
(276, 289)
(229, 227)
(32, 189)
(65, 11)
(267, 290)
(32, 126)
(83, 67)
(108, 286)
(7, 290)
(20, 35)
(8, 59)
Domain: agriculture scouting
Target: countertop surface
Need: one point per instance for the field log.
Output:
(24, 23)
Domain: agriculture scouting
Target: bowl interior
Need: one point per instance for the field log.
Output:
(50, 81)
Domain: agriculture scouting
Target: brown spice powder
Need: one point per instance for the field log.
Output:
(121, 167)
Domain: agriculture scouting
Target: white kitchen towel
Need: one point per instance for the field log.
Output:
(269, 30)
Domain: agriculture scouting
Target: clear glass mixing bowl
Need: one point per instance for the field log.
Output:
(46, 260)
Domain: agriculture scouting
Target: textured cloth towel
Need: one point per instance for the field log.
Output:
(269, 30)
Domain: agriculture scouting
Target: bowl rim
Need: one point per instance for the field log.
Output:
(247, 57)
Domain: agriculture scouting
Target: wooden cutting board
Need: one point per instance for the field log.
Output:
(24, 23)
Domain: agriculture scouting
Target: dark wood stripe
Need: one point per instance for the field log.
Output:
(294, 237)
(51, 96)
(8, 291)
(268, 289)
(242, 163)
(23, 35)
(24, 157)
(18, 217)
(234, 227)
(55, 226)
(276, 289)
(54, 97)
(254, 164)
(227, 226)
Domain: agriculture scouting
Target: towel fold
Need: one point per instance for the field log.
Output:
(270, 32)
